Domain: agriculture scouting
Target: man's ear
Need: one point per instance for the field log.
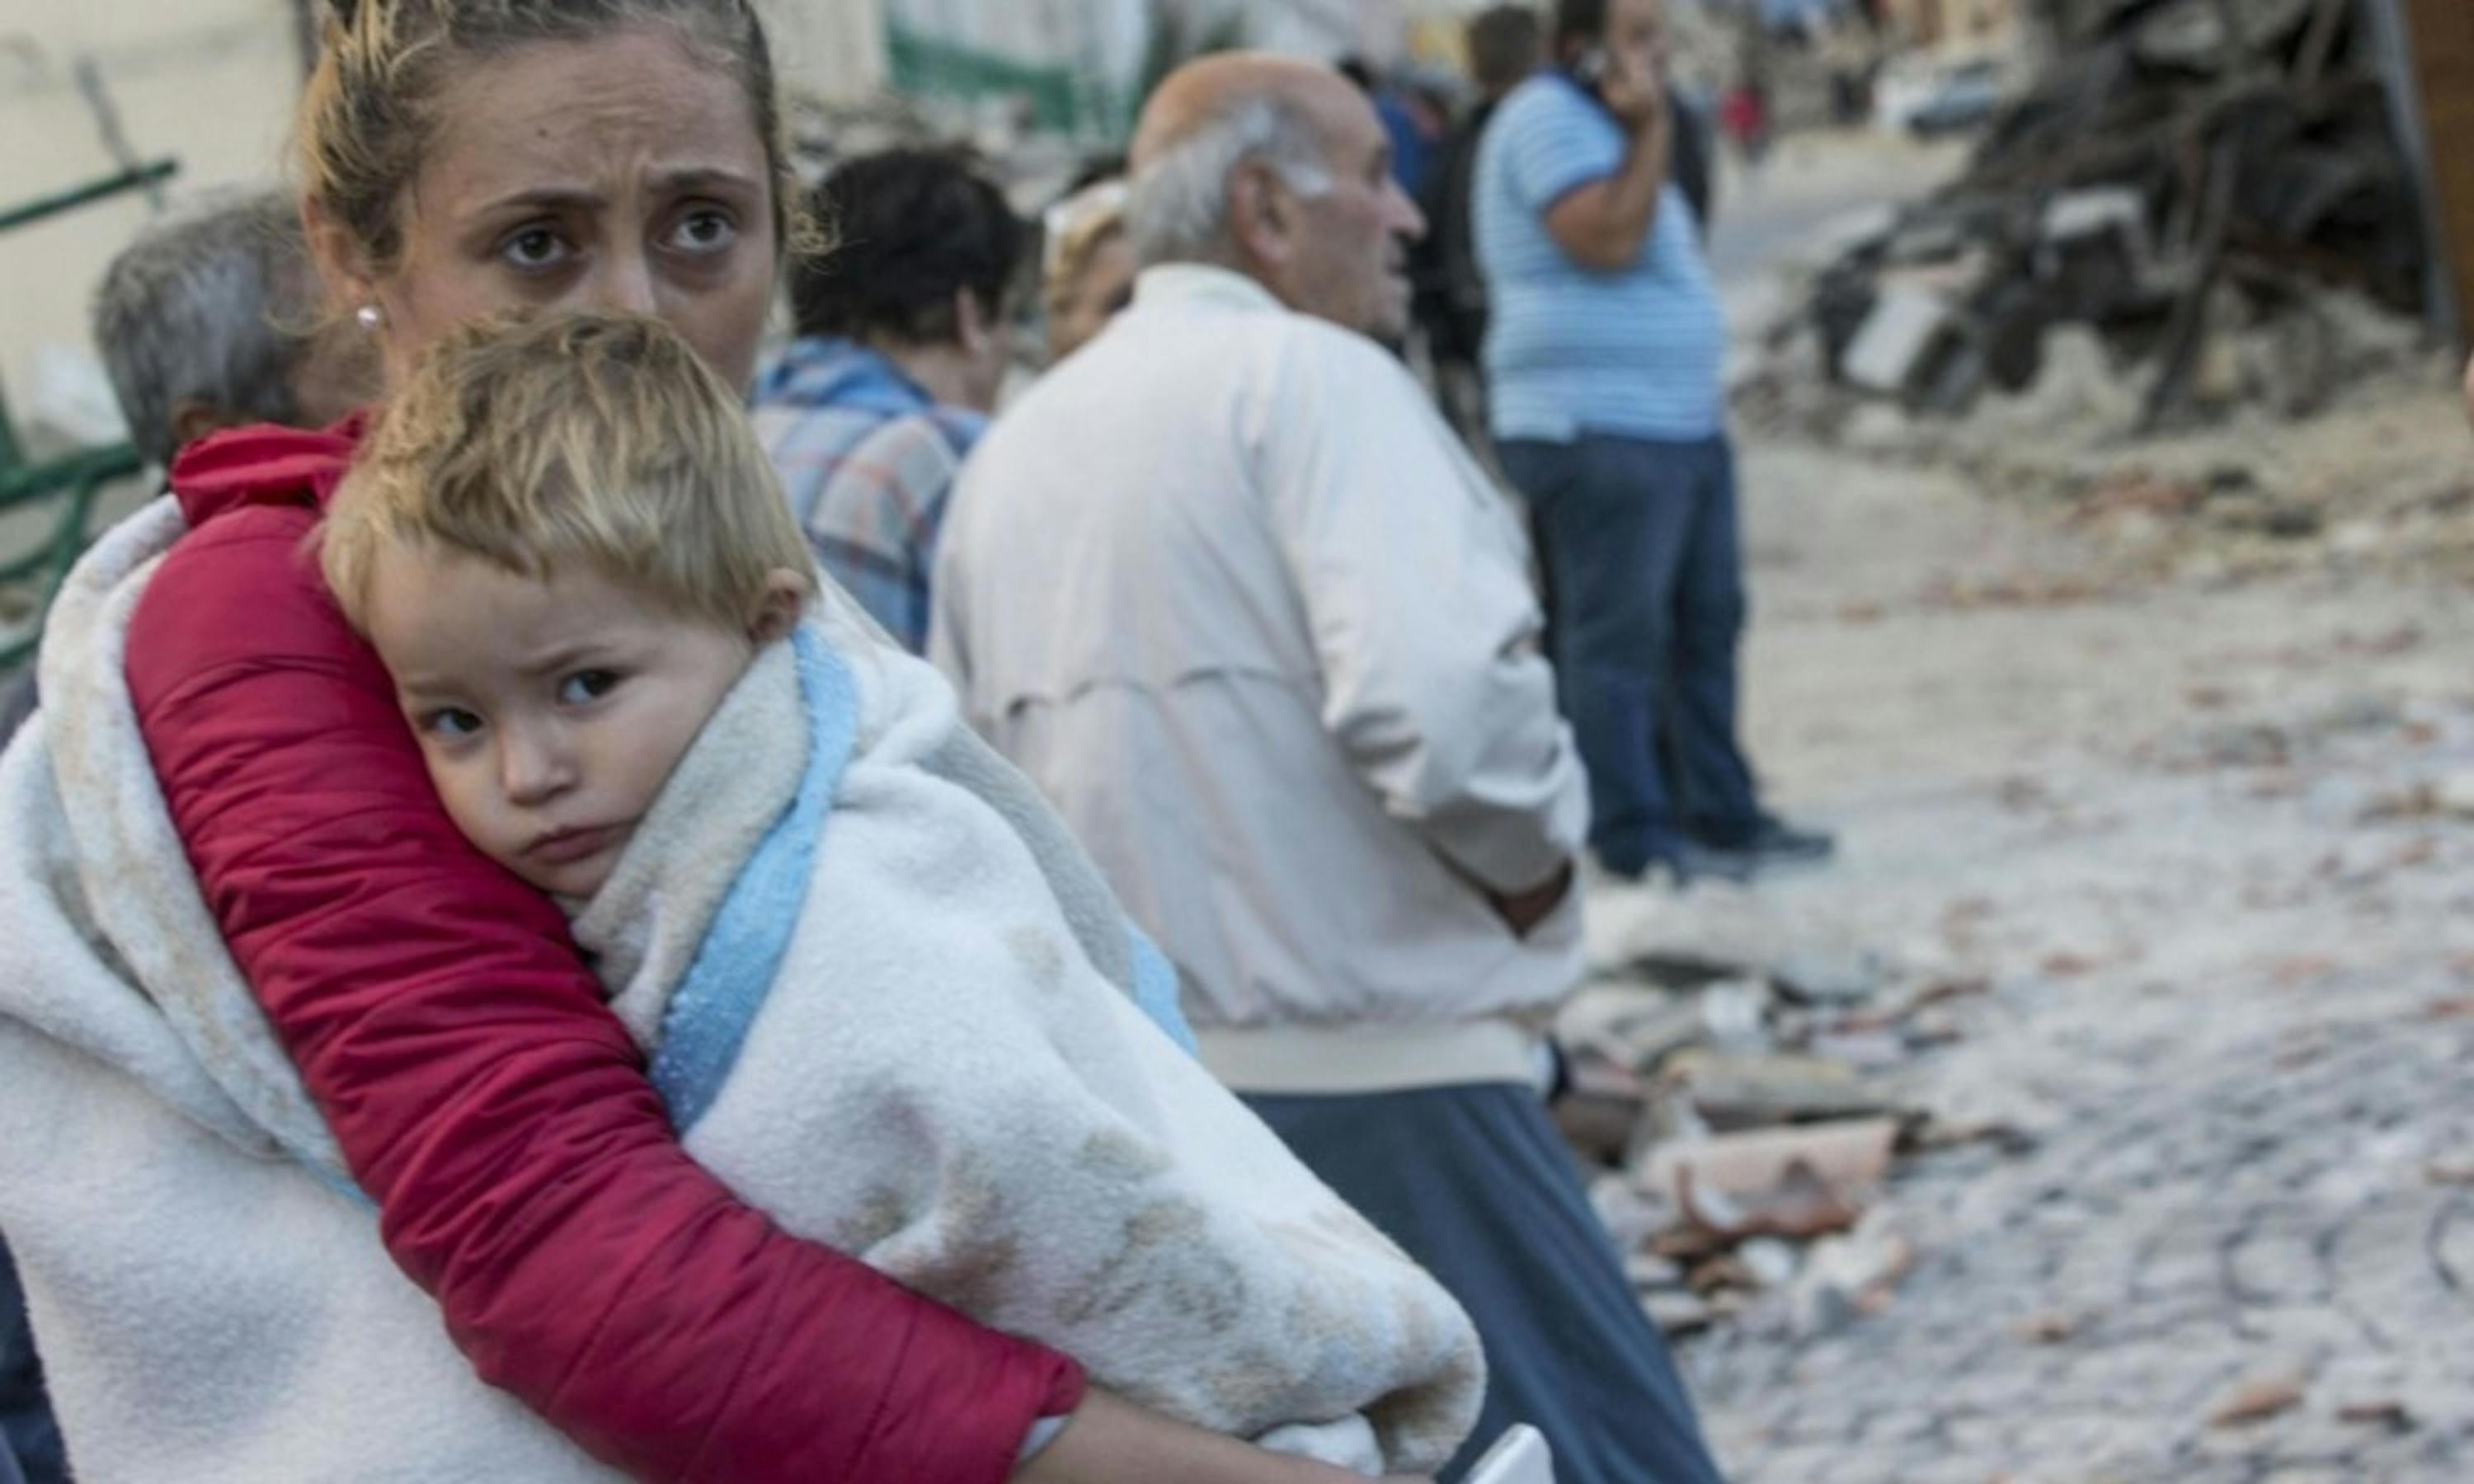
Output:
(778, 606)
(1258, 213)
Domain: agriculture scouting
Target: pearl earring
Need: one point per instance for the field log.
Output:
(367, 315)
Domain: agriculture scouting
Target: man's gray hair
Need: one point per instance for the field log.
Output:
(1177, 209)
(216, 306)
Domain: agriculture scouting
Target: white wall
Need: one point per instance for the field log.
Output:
(1329, 30)
(834, 49)
(211, 82)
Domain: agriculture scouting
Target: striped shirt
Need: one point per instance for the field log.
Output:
(869, 459)
(1637, 353)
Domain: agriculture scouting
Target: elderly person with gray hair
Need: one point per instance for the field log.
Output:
(1228, 589)
(210, 320)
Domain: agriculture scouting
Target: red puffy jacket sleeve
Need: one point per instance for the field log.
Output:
(527, 1174)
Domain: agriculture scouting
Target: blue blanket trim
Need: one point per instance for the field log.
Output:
(715, 1005)
(1155, 990)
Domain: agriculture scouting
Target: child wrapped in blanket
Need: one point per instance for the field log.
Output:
(885, 997)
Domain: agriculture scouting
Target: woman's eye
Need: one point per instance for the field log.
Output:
(533, 248)
(585, 686)
(705, 231)
(452, 722)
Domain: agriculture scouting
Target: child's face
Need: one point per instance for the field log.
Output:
(550, 713)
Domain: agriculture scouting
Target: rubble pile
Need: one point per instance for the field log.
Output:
(1743, 1129)
(2200, 206)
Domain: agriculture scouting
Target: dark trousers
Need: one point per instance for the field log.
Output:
(30, 1443)
(1645, 564)
(1475, 1184)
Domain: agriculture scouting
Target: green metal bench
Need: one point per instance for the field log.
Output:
(75, 482)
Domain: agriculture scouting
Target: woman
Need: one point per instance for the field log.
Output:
(463, 157)
(1088, 272)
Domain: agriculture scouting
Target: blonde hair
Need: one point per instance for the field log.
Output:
(369, 113)
(1077, 229)
(542, 445)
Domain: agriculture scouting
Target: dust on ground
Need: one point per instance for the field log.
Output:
(2174, 766)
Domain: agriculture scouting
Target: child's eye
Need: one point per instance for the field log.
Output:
(585, 686)
(452, 722)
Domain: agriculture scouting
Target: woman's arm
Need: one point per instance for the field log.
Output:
(527, 1175)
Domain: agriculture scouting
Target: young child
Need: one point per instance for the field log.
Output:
(884, 995)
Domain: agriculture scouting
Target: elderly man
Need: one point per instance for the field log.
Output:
(1603, 359)
(1228, 589)
(212, 320)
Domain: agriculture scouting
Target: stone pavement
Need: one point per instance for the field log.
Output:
(2207, 847)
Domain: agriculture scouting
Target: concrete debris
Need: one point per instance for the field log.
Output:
(1648, 1271)
(1736, 1016)
(1680, 1311)
(1756, 1091)
(2221, 209)
(1852, 1156)
(1814, 978)
(1723, 1157)
(1632, 1213)
(1600, 1107)
(1632, 1026)
(1908, 327)
(1771, 1261)
(1849, 1276)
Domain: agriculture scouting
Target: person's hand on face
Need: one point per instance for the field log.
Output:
(1634, 87)
(1634, 83)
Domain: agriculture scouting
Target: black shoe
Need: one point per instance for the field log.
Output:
(1771, 844)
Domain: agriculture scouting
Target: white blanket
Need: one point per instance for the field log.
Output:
(942, 1072)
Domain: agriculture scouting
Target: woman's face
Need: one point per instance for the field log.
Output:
(615, 174)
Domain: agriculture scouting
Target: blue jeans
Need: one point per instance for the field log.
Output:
(30, 1444)
(1645, 599)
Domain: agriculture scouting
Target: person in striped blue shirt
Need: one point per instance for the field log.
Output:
(1603, 365)
(905, 332)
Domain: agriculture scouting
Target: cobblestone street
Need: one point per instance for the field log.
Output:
(2208, 849)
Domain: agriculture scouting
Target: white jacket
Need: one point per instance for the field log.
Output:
(1234, 596)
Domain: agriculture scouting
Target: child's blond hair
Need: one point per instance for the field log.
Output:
(567, 442)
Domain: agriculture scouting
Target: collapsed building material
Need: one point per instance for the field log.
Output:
(2187, 170)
